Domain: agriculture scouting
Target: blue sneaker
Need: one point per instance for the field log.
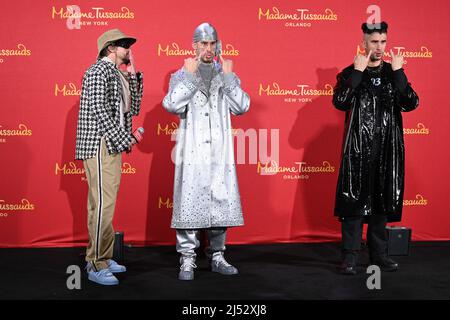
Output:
(104, 277)
(114, 267)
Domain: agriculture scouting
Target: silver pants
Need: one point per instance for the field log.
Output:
(188, 240)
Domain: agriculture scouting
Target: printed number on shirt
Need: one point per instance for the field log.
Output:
(376, 81)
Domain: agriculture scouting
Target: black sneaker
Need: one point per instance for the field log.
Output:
(385, 263)
(348, 265)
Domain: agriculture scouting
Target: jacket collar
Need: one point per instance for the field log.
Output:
(108, 62)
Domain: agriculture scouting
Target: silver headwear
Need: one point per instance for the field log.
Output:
(205, 32)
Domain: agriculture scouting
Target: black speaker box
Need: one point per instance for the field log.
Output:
(118, 247)
(399, 239)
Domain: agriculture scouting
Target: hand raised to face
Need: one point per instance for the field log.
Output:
(191, 64)
(131, 66)
(227, 65)
(361, 61)
(397, 61)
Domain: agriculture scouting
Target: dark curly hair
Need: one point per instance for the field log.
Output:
(376, 27)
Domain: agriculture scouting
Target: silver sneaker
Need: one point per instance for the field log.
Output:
(220, 265)
(187, 268)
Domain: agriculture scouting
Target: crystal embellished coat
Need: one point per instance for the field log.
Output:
(206, 192)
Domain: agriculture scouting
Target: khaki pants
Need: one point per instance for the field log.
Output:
(103, 177)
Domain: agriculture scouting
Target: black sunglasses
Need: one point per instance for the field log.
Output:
(123, 43)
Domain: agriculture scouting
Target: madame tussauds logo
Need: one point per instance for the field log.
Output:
(300, 18)
(8, 208)
(301, 90)
(420, 129)
(302, 93)
(72, 169)
(22, 131)
(174, 50)
(168, 129)
(20, 51)
(69, 89)
(301, 170)
(171, 129)
(165, 203)
(419, 201)
(422, 53)
(97, 16)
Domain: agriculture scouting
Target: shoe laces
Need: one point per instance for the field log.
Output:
(218, 258)
(188, 264)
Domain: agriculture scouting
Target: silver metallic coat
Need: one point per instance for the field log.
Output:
(206, 192)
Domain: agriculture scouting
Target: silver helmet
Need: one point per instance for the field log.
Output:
(205, 32)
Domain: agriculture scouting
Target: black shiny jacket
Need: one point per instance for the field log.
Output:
(355, 190)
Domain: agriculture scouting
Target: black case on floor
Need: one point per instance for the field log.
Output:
(118, 247)
(399, 239)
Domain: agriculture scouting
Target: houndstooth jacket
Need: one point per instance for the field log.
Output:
(99, 114)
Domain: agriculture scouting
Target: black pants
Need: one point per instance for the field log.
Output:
(376, 235)
(376, 232)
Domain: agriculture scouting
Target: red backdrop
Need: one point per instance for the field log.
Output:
(287, 54)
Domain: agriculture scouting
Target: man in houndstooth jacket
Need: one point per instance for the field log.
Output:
(109, 99)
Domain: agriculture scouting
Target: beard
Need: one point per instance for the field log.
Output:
(374, 57)
(208, 60)
(204, 60)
